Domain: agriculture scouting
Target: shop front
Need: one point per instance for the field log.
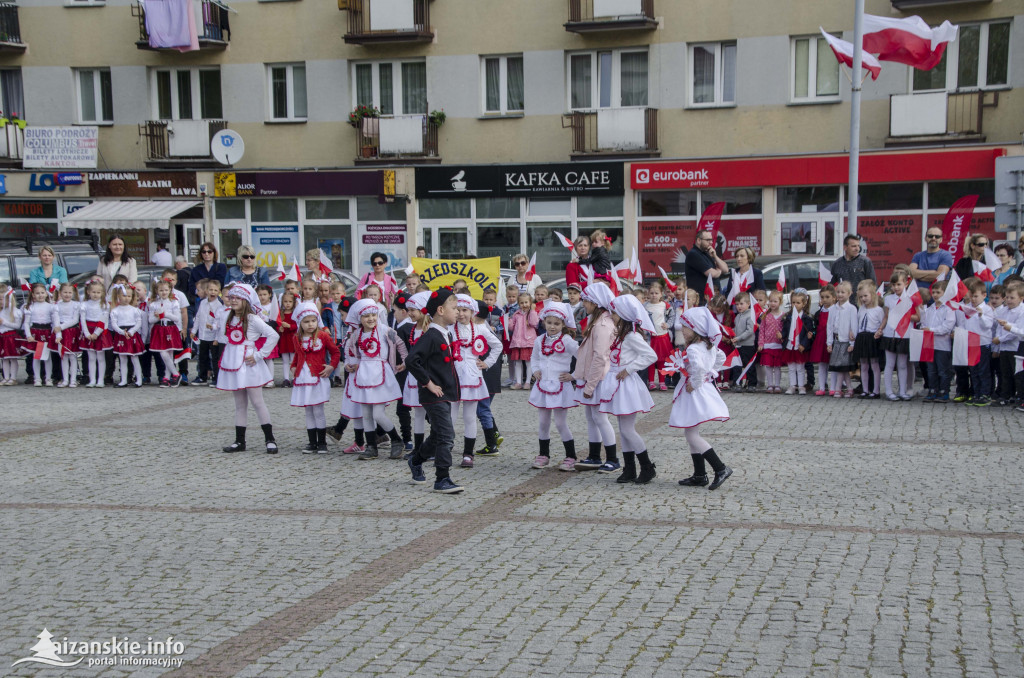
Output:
(33, 203)
(791, 205)
(502, 210)
(349, 215)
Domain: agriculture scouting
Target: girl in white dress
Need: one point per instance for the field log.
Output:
(316, 356)
(11, 318)
(126, 328)
(94, 338)
(372, 383)
(165, 335)
(69, 312)
(552, 392)
(41, 325)
(623, 392)
(476, 349)
(696, 399)
(243, 367)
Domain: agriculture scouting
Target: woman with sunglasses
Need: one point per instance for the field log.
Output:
(206, 267)
(518, 280)
(380, 277)
(974, 250)
(247, 271)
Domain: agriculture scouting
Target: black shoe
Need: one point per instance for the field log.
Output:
(310, 447)
(235, 447)
(271, 447)
(873, 396)
(417, 473)
(720, 477)
(628, 475)
(695, 481)
(446, 486)
(864, 396)
(588, 464)
(646, 475)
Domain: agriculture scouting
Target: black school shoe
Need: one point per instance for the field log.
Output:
(646, 475)
(695, 481)
(235, 447)
(720, 477)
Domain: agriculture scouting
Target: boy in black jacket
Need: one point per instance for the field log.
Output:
(432, 365)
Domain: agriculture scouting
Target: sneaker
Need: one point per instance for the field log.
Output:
(837, 394)
(981, 401)
(652, 386)
(417, 473)
(165, 383)
(184, 379)
(198, 382)
(62, 384)
(930, 398)
(609, 467)
(802, 391)
(212, 384)
(906, 398)
(178, 381)
(1019, 408)
(943, 400)
(893, 397)
(446, 486)
(100, 384)
(588, 464)
(540, 461)
(960, 399)
(663, 387)
(488, 452)
(467, 462)
(820, 393)
(354, 449)
(568, 464)
(39, 382)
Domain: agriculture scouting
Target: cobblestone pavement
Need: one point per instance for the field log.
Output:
(855, 539)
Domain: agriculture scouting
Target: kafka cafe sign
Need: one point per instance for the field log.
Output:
(512, 181)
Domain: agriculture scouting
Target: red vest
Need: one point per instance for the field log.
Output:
(316, 359)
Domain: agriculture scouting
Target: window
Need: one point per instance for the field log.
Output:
(95, 100)
(713, 80)
(612, 79)
(977, 59)
(815, 70)
(188, 94)
(287, 90)
(394, 87)
(12, 94)
(503, 84)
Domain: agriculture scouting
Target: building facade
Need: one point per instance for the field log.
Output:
(357, 116)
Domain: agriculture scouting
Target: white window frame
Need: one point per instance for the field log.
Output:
(812, 71)
(97, 96)
(953, 62)
(290, 87)
(719, 75)
(503, 108)
(396, 83)
(84, 3)
(197, 103)
(595, 79)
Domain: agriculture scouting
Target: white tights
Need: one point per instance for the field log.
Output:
(468, 417)
(631, 440)
(875, 368)
(376, 415)
(842, 379)
(243, 398)
(47, 365)
(69, 365)
(97, 366)
(315, 416)
(599, 429)
(772, 377)
(826, 379)
(517, 368)
(286, 365)
(693, 438)
(172, 369)
(797, 375)
(419, 419)
(123, 363)
(561, 417)
(902, 363)
(10, 369)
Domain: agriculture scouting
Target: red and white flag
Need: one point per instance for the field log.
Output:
(326, 265)
(955, 291)
(709, 288)
(956, 223)
(732, 360)
(669, 285)
(913, 292)
(25, 286)
(844, 53)
(908, 41)
(745, 280)
(796, 326)
(710, 220)
(638, 274)
(184, 355)
(824, 275)
(982, 272)
(294, 273)
(281, 273)
(734, 287)
(899, 316)
(755, 310)
(616, 283)
(409, 270)
(780, 284)
(746, 368)
(966, 348)
(40, 351)
(531, 270)
(53, 286)
(567, 244)
(922, 346)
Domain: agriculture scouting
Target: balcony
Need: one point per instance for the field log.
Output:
(211, 23)
(904, 5)
(592, 16)
(406, 138)
(374, 22)
(12, 145)
(180, 143)
(10, 29)
(614, 132)
(938, 117)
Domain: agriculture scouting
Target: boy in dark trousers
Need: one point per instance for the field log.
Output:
(432, 365)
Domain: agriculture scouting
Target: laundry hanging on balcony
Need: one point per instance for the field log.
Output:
(171, 24)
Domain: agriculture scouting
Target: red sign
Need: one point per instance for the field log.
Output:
(892, 239)
(956, 223)
(665, 243)
(815, 170)
(981, 222)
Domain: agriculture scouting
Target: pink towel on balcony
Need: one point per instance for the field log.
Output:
(171, 24)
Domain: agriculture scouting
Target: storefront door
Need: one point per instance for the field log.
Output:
(192, 239)
(807, 234)
(449, 241)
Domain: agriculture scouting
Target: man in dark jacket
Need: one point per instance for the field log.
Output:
(852, 266)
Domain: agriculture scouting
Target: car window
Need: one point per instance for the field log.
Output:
(807, 275)
(5, 271)
(771, 276)
(23, 266)
(77, 264)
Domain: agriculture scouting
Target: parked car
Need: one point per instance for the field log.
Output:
(19, 257)
(801, 271)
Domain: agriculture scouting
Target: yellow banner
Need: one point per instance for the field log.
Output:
(479, 274)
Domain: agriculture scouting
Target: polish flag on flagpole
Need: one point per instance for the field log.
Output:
(844, 53)
(669, 285)
(567, 244)
(955, 290)
(40, 351)
(709, 287)
(966, 348)
(922, 346)
(710, 220)
(780, 284)
(638, 274)
(294, 272)
(899, 316)
(909, 41)
(732, 360)
(746, 369)
(532, 268)
(913, 292)
(616, 283)
(824, 275)
(982, 272)
(281, 273)
(25, 286)
(326, 265)
(796, 326)
(184, 355)
(409, 270)
(734, 287)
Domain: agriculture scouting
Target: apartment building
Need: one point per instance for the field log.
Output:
(491, 125)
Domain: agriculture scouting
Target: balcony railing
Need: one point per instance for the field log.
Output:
(212, 24)
(588, 16)
(387, 21)
(12, 143)
(401, 137)
(904, 5)
(10, 29)
(629, 132)
(180, 142)
(943, 116)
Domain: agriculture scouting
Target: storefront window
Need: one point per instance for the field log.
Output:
(326, 209)
(334, 239)
(277, 209)
(794, 199)
(599, 207)
(498, 240)
(737, 200)
(496, 208)
(230, 241)
(550, 207)
(887, 197)
(668, 204)
(371, 209)
(613, 229)
(229, 209)
(441, 208)
(942, 194)
(552, 258)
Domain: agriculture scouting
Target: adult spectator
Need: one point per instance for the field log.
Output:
(48, 268)
(116, 261)
(518, 279)
(247, 271)
(207, 266)
(421, 252)
(974, 250)
(378, 276)
(1007, 263)
(745, 262)
(162, 257)
(574, 273)
(1019, 270)
(853, 266)
(702, 261)
(184, 273)
(933, 263)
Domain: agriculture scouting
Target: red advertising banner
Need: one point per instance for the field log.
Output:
(981, 222)
(665, 243)
(956, 224)
(891, 239)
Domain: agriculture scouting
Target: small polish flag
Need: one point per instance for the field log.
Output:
(991, 260)
(567, 244)
(326, 265)
(908, 41)
(745, 280)
(780, 284)
(589, 270)
(25, 287)
(40, 351)
(982, 272)
(881, 289)
(746, 368)
(755, 310)
(53, 286)
(922, 346)
(796, 326)
(281, 273)
(184, 355)
(616, 283)
(732, 360)
(532, 269)
(669, 285)
(734, 287)
(709, 287)
(844, 53)
(899, 316)
(824, 275)
(966, 348)
(955, 290)
(914, 293)
(294, 273)
(676, 364)
(409, 270)
(634, 263)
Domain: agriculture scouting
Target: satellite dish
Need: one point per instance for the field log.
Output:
(227, 147)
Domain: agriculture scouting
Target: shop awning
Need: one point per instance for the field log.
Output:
(128, 214)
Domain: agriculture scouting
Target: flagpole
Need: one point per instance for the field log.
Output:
(855, 88)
